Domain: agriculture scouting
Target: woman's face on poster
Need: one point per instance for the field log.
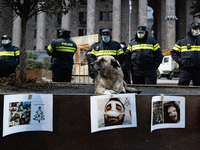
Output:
(173, 113)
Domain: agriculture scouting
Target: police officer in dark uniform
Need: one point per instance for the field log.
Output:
(62, 51)
(143, 57)
(9, 57)
(186, 53)
(106, 47)
(126, 72)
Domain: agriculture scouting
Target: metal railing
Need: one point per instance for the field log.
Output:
(80, 73)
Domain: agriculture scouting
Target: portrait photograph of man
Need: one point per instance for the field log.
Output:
(168, 113)
(118, 111)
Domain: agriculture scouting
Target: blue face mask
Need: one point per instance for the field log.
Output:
(106, 39)
(4, 42)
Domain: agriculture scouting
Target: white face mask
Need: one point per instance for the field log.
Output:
(140, 35)
(196, 32)
(106, 39)
(4, 42)
(122, 45)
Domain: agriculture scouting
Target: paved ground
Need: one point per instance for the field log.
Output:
(165, 81)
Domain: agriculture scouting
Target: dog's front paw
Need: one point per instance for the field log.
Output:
(109, 92)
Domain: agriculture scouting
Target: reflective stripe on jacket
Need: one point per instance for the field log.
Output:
(186, 52)
(112, 48)
(62, 51)
(9, 58)
(143, 53)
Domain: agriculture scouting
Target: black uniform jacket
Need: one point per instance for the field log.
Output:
(62, 51)
(112, 48)
(143, 53)
(186, 51)
(9, 58)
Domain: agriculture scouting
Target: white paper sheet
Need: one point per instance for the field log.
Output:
(22, 114)
(167, 113)
(97, 111)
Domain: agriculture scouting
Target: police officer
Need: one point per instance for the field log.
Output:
(124, 68)
(143, 57)
(9, 57)
(106, 47)
(62, 51)
(186, 53)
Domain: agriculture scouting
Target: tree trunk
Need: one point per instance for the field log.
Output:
(23, 50)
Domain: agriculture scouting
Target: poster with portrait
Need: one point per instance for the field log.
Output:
(112, 111)
(167, 112)
(22, 114)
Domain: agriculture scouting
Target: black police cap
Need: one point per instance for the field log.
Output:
(194, 24)
(6, 37)
(64, 32)
(141, 28)
(105, 32)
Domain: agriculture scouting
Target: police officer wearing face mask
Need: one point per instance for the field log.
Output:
(9, 57)
(106, 47)
(62, 51)
(143, 57)
(186, 53)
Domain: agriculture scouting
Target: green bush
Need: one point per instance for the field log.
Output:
(32, 64)
(46, 63)
(31, 55)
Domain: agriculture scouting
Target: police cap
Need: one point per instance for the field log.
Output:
(141, 28)
(6, 37)
(105, 32)
(194, 24)
(64, 32)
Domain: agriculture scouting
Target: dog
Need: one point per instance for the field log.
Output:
(110, 77)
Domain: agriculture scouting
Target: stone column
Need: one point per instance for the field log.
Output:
(41, 31)
(66, 19)
(91, 5)
(162, 24)
(142, 9)
(16, 32)
(116, 24)
(170, 24)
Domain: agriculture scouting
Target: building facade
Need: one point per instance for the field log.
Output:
(169, 22)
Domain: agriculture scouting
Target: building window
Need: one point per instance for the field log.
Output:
(58, 33)
(102, 16)
(35, 33)
(47, 17)
(106, 16)
(82, 32)
(35, 17)
(34, 48)
(110, 16)
(82, 18)
(46, 33)
(59, 19)
(83, 2)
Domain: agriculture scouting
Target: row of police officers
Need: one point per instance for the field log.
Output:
(141, 58)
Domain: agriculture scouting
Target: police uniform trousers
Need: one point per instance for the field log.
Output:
(189, 74)
(60, 76)
(143, 76)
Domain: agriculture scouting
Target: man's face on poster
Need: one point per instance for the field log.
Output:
(173, 113)
(114, 113)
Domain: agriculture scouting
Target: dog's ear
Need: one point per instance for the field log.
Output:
(115, 63)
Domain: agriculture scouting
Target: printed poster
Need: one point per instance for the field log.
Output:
(22, 114)
(112, 112)
(167, 113)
